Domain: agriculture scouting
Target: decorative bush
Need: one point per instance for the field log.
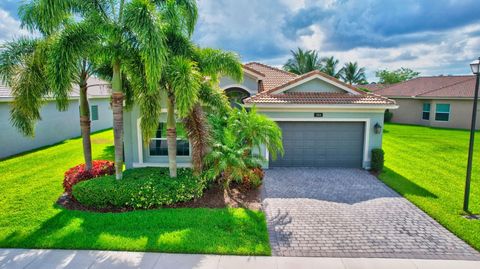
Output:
(140, 188)
(78, 173)
(254, 180)
(377, 160)
(388, 116)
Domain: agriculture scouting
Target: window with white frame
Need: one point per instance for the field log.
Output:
(158, 144)
(442, 112)
(426, 111)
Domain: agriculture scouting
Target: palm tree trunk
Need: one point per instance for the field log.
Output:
(85, 123)
(197, 129)
(117, 107)
(171, 138)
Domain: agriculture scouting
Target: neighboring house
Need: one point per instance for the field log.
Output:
(442, 101)
(325, 122)
(54, 126)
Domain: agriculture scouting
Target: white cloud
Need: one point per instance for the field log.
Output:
(9, 27)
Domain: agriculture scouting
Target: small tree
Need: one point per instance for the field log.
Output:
(390, 77)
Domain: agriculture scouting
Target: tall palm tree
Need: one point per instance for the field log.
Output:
(303, 61)
(188, 80)
(132, 37)
(65, 63)
(353, 74)
(330, 67)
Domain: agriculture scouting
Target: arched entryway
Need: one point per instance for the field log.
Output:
(236, 95)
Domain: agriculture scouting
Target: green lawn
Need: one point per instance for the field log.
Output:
(427, 166)
(30, 184)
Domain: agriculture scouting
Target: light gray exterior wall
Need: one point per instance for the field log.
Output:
(132, 136)
(410, 112)
(315, 85)
(250, 83)
(54, 127)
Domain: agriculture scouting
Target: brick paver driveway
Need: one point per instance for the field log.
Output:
(349, 213)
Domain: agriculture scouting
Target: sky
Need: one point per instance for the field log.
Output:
(430, 36)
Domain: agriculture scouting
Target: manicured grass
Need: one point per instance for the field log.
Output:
(30, 184)
(427, 166)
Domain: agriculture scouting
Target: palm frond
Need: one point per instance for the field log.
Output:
(143, 20)
(67, 49)
(185, 80)
(12, 53)
(214, 63)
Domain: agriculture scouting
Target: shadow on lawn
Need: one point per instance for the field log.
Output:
(165, 230)
(108, 153)
(403, 185)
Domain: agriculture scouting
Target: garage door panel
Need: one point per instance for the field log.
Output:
(321, 144)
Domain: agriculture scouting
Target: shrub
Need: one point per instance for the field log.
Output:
(140, 188)
(78, 173)
(254, 180)
(377, 160)
(388, 116)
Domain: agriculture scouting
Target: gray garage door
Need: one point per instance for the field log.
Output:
(321, 144)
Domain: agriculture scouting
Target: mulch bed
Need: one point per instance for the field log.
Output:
(214, 197)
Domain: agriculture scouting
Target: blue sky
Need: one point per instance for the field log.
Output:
(431, 36)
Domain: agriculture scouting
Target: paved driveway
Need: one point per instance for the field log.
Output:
(349, 213)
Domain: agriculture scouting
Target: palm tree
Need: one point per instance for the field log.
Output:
(330, 67)
(352, 74)
(132, 38)
(303, 62)
(235, 136)
(188, 80)
(64, 64)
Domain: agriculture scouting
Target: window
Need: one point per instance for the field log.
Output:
(94, 112)
(158, 144)
(426, 111)
(442, 112)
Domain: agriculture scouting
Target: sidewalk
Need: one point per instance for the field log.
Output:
(49, 259)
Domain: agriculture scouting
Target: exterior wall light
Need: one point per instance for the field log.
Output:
(377, 128)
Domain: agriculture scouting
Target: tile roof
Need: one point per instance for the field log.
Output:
(440, 86)
(373, 87)
(96, 88)
(273, 76)
(320, 98)
(309, 74)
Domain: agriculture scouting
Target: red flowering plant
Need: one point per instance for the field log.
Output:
(79, 173)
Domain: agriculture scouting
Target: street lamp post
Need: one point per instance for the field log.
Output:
(475, 65)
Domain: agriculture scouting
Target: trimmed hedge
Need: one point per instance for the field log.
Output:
(377, 160)
(140, 188)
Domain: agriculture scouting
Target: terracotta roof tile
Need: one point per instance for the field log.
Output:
(309, 74)
(319, 98)
(441, 86)
(273, 76)
(373, 87)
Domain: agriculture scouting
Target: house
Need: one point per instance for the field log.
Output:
(441, 101)
(55, 125)
(325, 122)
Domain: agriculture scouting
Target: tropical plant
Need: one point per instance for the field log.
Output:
(353, 74)
(188, 81)
(132, 38)
(37, 69)
(390, 77)
(235, 136)
(303, 61)
(330, 67)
